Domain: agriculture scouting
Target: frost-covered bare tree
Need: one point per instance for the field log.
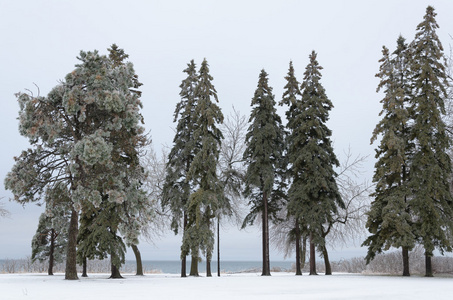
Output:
(348, 224)
(3, 211)
(232, 170)
(231, 162)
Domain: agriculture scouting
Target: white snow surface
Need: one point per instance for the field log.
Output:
(229, 286)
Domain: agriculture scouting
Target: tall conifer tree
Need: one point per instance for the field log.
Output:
(389, 219)
(313, 195)
(178, 187)
(206, 200)
(432, 202)
(292, 98)
(263, 158)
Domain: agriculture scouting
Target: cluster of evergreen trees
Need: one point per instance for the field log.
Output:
(412, 201)
(84, 164)
(86, 161)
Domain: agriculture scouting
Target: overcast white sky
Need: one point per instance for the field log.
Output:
(40, 41)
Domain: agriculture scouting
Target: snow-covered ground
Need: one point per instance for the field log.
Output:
(233, 287)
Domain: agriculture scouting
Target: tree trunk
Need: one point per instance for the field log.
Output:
(428, 266)
(304, 252)
(326, 261)
(194, 266)
(298, 268)
(51, 251)
(115, 270)
(208, 268)
(84, 267)
(406, 261)
(71, 255)
(184, 259)
(312, 256)
(138, 260)
(266, 261)
(218, 247)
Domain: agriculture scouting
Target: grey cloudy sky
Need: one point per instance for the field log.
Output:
(40, 41)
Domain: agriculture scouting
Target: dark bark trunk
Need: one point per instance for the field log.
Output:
(51, 251)
(218, 247)
(266, 261)
(138, 259)
(194, 266)
(304, 252)
(312, 256)
(298, 268)
(115, 274)
(326, 261)
(184, 259)
(71, 255)
(428, 266)
(208, 268)
(406, 261)
(84, 267)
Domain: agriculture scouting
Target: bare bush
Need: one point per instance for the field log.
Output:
(10, 266)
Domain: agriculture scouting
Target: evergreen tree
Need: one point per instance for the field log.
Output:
(177, 188)
(291, 98)
(51, 238)
(208, 197)
(85, 135)
(389, 220)
(263, 158)
(432, 202)
(313, 195)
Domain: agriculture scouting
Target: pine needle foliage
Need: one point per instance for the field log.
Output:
(85, 136)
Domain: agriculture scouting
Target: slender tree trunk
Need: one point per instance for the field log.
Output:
(428, 266)
(304, 252)
(115, 274)
(194, 266)
(84, 267)
(208, 268)
(51, 251)
(326, 261)
(266, 261)
(71, 255)
(406, 261)
(138, 260)
(218, 247)
(298, 268)
(312, 256)
(184, 259)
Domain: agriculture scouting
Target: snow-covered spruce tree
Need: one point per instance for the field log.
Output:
(432, 203)
(84, 135)
(208, 198)
(263, 158)
(313, 195)
(177, 188)
(389, 219)
(51, 238)
(292, 99)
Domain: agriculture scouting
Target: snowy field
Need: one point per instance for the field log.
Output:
(232, 287)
